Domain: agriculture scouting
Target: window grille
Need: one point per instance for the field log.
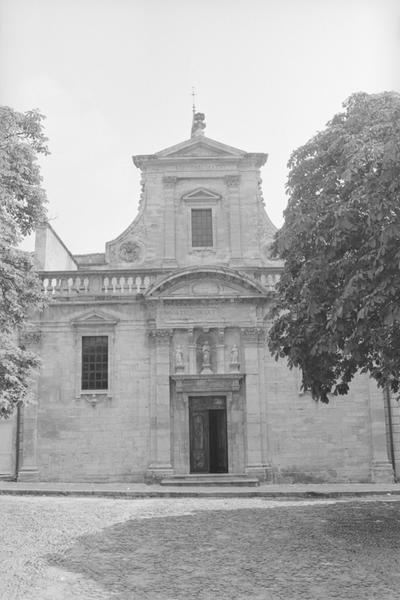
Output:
(95, 362)
(202, 234)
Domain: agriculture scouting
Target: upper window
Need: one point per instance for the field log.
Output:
(95, 362)
(202, 234)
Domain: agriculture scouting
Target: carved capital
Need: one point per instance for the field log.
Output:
(253, 334)
(161, 334)
(169, 182)
(232, 181)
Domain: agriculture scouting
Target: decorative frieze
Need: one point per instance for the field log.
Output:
(214, 383)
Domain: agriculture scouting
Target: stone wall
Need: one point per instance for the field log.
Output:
(79, 440)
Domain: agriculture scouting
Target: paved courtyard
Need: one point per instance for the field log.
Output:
(203, 549)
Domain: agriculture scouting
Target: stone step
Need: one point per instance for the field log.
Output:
(207, 479)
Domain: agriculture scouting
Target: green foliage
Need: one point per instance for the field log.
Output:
(338, 310)
(22, 202)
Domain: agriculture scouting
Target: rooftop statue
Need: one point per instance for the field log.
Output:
(198, 124)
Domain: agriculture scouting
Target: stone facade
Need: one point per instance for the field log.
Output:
(191, 386)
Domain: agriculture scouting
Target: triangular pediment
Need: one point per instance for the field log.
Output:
(201, 194)
(95, 318)
(200, 147)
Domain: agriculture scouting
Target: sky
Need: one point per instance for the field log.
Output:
(114, 79)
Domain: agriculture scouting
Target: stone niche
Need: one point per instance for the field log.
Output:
(205, 351)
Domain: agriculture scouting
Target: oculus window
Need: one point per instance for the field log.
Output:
(202, 231)
(95, 362)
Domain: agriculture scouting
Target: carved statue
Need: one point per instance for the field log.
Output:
(205, 350)
(234, 355)
(198, 123)
(179, 357)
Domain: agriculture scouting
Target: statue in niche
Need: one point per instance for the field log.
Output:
(234, 355)
(205, 358)
(206, 354)
(234, 359)
(179, 362)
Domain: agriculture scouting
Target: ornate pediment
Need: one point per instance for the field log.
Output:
(94, 318)
(203, 147)
(207, 282)
(201, 194)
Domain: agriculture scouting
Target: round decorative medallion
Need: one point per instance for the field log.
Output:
(130, 252)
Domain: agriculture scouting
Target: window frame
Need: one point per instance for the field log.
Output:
(94, 324)
(94, 362)
(201, 198)
(209, 209)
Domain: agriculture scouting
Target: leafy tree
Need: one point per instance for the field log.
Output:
(338, 310)
(22, 201)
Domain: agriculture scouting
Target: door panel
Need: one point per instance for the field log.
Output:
(208, 435)
(199, 441)
(218, 445)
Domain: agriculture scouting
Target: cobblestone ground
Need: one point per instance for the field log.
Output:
(203, 549)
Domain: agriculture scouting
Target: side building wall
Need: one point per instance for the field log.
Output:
(308, 441)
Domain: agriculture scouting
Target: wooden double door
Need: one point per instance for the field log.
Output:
(208, 435)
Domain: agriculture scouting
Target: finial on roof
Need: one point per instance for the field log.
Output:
(193, 101)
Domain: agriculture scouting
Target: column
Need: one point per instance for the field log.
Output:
(232, 183)
(169, 220)
(160, 420)
(381, 468)
(27, 466)
(27, 457)
(252, 343)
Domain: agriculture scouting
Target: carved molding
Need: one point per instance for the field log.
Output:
(161, 333)
(94, 398)
(211, 383)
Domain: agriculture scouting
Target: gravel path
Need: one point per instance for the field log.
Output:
(179, 549)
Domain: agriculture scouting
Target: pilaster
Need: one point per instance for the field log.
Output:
(169, 220)
(160, 420)
(233, 182)
(381, 468)
(27, 457)
(253, 340)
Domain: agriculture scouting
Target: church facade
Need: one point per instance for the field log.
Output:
(154, 357)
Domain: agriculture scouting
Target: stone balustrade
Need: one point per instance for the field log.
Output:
(99, 284)
(266, 277)
(81, 283)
